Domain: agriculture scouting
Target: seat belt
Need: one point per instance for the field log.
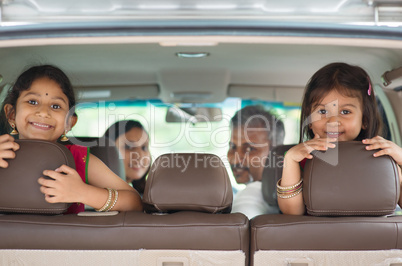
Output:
(391, 75)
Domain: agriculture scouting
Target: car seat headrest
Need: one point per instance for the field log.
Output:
(272, 173)
(188, 182)
(19, 187)
(348, 180)
(108, 153)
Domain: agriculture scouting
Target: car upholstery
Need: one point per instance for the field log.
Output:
(193, 234)
(337, 240)
(19, 187)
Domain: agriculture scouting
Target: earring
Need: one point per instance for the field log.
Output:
(64, 137)
(14, 131)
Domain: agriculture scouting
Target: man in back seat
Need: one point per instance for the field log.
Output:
(254, 132)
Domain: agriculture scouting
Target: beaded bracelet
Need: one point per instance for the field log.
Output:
(108, 202)
(290, 191)
(116, 195)
(291, 195)
(290, 187)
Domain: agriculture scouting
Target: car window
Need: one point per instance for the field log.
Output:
(166, 137)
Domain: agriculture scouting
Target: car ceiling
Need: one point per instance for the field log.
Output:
(339, 11)
(138, 60)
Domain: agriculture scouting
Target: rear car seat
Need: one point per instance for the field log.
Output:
(187, 230)
(335, 240)
(272, 173)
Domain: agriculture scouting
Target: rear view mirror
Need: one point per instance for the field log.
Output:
(193, 115)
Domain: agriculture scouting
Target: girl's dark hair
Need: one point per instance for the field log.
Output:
(350, 81)
(24, 82)
(116, 130)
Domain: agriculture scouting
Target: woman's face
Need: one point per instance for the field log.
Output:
(133, 145)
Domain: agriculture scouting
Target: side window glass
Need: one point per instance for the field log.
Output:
(386, 131)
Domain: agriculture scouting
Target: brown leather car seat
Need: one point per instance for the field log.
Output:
(19, 187)
(202, 184)
(272, 173)
(350, 181)
(357, 240)
(196, 232)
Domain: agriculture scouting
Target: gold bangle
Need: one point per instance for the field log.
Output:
(282, 196)
(290, 187)
(116, 195)
(290, 191)
(108, 202)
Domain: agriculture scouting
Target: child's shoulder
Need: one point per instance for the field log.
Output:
(77, 149)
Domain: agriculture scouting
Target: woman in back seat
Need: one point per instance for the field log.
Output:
(133, 142)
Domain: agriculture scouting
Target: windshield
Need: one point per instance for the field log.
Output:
(362, 12)
(166, 137)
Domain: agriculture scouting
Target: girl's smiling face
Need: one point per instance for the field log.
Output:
(41, 111)
(337, 116)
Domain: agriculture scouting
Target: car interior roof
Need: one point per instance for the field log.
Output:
(270, 61)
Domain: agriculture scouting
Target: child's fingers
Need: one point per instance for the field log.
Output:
(44, 182)
(3, 164)
(51, 173)
(382, 152)
(9, 145)
(374, 140)
(321, 145)
(315, 146)
(65, 169)
(55, 174)
(48, 190)
(377, 144)
(48, 187)
(16, 146)
(6, 138)
(7, 154)
(8, 142)
(51, 198)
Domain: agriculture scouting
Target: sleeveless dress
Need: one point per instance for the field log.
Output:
(81, 158)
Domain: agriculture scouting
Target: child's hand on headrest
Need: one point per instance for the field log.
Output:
(7, 149)
(65, 185)
(303, 150)
(385, 147)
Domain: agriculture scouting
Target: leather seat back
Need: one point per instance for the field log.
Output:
(19, 187)
(355, 184)
(272, 173)
(188, 182)
(348, 180)
(194, 228)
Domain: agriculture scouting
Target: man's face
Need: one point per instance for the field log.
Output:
(248, 151)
